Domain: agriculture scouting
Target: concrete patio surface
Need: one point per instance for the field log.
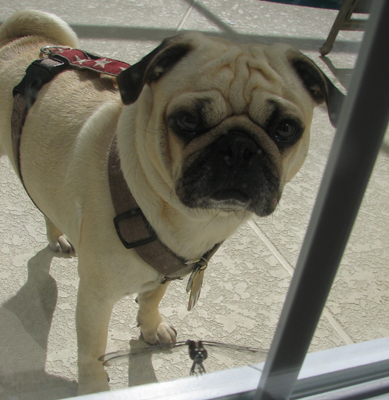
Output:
(246, 283)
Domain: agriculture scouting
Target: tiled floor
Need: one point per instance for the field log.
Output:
(246, 284)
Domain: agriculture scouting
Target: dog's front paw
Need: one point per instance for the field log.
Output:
(89, 386)
(158, 333)
(154, 329)
(92, 377)
(92, 387)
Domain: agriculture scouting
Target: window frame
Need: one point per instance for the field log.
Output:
(362, 126)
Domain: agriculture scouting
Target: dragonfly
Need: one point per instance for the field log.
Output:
(197, 351)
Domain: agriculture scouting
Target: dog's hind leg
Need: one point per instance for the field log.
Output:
(154, 329)
(58, 242)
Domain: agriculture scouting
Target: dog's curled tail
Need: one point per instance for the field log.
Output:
(37, 23)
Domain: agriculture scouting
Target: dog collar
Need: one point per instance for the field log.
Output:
(132, 227)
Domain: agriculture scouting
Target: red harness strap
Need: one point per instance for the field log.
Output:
(84, 60)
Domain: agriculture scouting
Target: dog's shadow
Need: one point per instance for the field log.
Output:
(170, 362)
(141, 369)
(26, 319)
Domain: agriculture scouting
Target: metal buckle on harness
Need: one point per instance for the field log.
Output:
(200, 265)
(55, 52)
(47, 50)
(130, 214)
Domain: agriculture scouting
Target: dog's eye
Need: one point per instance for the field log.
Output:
(187, 122)
(286, 131)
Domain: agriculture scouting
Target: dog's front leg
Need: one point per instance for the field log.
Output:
(154, 329)
(94, 308)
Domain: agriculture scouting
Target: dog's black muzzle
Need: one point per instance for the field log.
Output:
(233, 154)
(231, 173)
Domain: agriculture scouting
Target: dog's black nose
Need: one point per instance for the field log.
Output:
(237, 148)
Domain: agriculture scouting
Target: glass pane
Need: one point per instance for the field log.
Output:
(247, 279)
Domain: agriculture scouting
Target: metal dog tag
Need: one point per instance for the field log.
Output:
(195, 283)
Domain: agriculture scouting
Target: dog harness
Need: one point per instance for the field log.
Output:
(132, 227)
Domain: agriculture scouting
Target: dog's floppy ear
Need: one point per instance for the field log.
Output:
(151, 67)
(318, 85)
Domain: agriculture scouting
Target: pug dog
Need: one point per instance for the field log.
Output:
(208, 133)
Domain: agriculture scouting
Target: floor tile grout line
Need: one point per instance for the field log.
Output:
(335, 324)
(326, 312)
(186, 16)
(271, 247)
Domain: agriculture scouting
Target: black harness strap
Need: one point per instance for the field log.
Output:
(37, 74)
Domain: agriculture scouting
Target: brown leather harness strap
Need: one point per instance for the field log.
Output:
(131, 225)
(133, 228)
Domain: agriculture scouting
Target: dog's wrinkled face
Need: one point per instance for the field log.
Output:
(230, 123)
(235, 167)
